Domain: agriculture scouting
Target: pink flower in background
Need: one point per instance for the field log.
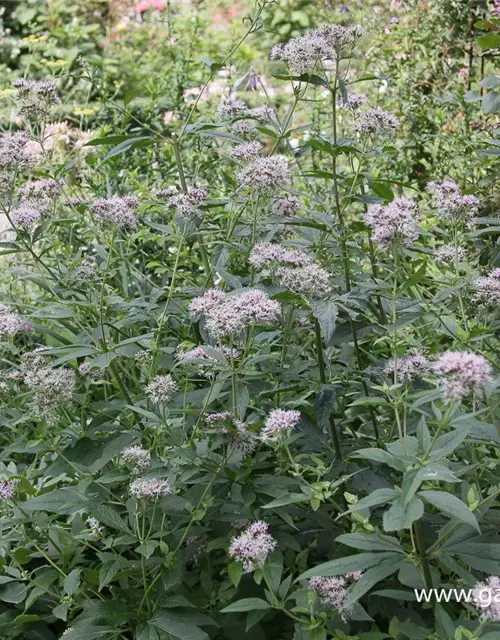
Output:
(168, 116)
(145, 5)
(396, 4)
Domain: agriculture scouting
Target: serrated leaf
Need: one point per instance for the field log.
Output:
(449, 504)
(247, 604)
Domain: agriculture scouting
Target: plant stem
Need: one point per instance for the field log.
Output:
(424, 560)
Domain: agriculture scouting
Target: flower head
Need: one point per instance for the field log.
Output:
(376, 121)
(410, 366)
(15, 151)
(150, 489)
(187, 204)
(394, 223)
(36, 98)
(8, 488)
(333, 590)
(450, 204)
(204, 304)
(52, 386)
(247, 151)
(117, 211)
(307, 280)
(252, 546)
(353, 101)
(138, 456)
(263, 114)
(485, 599)
(230, 107)
(328, 42)
(265, 175)
(10, 323)
(161, 388)
(461, 374)
(40, 193)
(278, 422)
(25, 216)
(286, 207)
(96, 528)
(488, 288)
(448, 253)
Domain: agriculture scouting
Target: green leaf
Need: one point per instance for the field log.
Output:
(370, 542)
(13, 592)
(178, 626)
(399, 516)
(372, 577)
(489, 41)
(235, 571)
(379, 455)
(287, 498)
(379, 496)
(326, 313)
(341, 566)
(71, 582)
(491, 102)
(126, 145)
(64, 501)
(247, 604)
(451, 505)
(109, 517)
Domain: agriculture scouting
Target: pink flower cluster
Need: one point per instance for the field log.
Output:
(461, 374)
(450, 204)
(253, 546)
(488, 288)
(230, 314)
(333, 590)
(394, 223)
(145, 5)
(278, 422)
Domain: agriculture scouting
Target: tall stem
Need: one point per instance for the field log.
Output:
(422, 553)
(322, 377)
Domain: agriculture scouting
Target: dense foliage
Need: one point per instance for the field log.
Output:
(249, 320)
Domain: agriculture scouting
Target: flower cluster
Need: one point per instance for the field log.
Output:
(353, 101)
(488, 288)
(328, 42)
(247, 151)
(449, 253)
(8, 489)
(230, 107)
(149, 489)
(16, 152)
(285, 207)
(266, 254)
(10, 323)
(52, 386)
(40, 193)
(88, 371)
(242, 441)
(410, 366)
(279, 422)
(36, 98)
(117, 211)
(333, 590)
(253, 546)
(376, 121)
(161, 388)
(486, 599)
(187, 204)
(265, 175)
(138, 456)
(450, 204)
(25, 216)
(394, 223)
(96, 528)
(461, 374)
(308, 280)
(230, 314)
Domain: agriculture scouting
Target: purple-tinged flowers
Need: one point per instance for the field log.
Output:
(252, 547)
(265, 254)
(230, 106)
(10, 323)
(307, 280)
(96, 528)
(486, 599)
(263, 113)
(265, 175)
(449, 253)
(52, 386)
(241, 440)
(376, 121)
(8, 488)
(15, 151)
(187, 204)
(286, 207)
(247, 151)
(230, 314)
(161, 388)
(40, 193)
(36, 98)
(461, 374)
(409, 367)
(328, 42)
(116, 211)
(88, 371)
(333, 590)
(353, 101)
(138, 456)
(488, 288)
(25, 216)
(151, 489)
(393, 224)
(450, 204)
(280, 422)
